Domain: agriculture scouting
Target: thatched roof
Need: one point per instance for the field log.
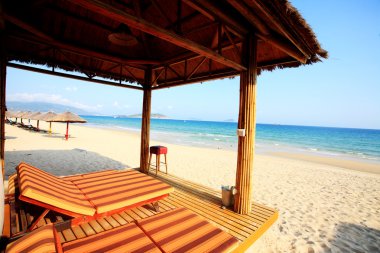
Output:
(10, 114)
(47, 116)
(25, 115)
(35, 116)
(182, 41)
(18, 114)
(68, 117)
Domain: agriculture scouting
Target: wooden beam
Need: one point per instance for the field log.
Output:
(244, 10)
(198, 8)
(73, 48)
(196, 79)
(3, 76)
(276, 63)
(195, 69)
(137, 7)
(210, 7)
(187, 56)
(284, 46)
(2, 23)
(147, 27)
(161, 11)
(81, 78)
(274, 19)
(265, 34)
(247, 121)
(145, 125)
(157, 76)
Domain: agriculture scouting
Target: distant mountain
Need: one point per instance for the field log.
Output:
(229, 120)
(43, 107)
(153, 116)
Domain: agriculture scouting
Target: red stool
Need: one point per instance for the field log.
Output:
(158, 151)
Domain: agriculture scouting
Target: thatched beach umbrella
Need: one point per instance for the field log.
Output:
(48, 118)
(68, 117)
(9, 114)
(24, 115)
(17, 114)
(35, 116)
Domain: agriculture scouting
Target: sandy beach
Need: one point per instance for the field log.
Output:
(324, 205)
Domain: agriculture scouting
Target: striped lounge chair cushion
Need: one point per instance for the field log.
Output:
(88, 175)
(42, 240)
(12, 183)
(127, 238)
(112, 191)
(41, 186)
(181, 230)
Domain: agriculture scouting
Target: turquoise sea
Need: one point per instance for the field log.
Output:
(328, 141)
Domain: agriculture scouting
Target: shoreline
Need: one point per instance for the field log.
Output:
(344, 162)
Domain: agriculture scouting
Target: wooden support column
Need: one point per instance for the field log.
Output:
(247, 121)
(145, 126)
(3, 71)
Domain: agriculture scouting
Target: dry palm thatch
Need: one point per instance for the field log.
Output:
(47, 116)
(68, 117)
(34, 116)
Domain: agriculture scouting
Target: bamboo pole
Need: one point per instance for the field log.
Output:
(3, 72)
(247, 121)
(67, 131)
(145, 126)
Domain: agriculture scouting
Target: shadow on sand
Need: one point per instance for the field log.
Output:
(10, 137)
(61, 162)
(355, 238)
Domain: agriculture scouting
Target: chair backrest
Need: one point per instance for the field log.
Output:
(39, 187)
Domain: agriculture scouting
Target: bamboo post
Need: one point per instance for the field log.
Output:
(67, 131)
(247, 121)
(3, 73)
(145, 126)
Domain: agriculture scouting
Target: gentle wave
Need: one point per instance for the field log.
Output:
(357, 143)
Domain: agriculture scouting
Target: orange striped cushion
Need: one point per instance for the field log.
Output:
(116, 190)
(127, 238)
(88, 175)
(12, 183)
(41, 240)
(44, 187)
(181, 230)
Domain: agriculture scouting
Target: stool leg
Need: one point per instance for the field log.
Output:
(157, 163)
(150, 162)
(166, 165)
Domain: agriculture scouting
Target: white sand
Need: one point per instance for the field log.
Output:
(321, 208)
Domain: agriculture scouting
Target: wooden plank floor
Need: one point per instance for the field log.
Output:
(200, 199)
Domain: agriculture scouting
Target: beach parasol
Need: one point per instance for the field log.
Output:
(17, 114)
(68, 117)
(27, 116)
(9, 114)
(47, 117)
(35, 116)
(24, 115)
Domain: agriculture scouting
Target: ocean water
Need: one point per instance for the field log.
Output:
(346, 142)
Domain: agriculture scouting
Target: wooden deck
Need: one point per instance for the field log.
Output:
(201, 200)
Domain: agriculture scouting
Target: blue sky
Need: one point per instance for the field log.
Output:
(342, 91)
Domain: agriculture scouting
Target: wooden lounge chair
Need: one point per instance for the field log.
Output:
(178, 230)
(87, 196)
